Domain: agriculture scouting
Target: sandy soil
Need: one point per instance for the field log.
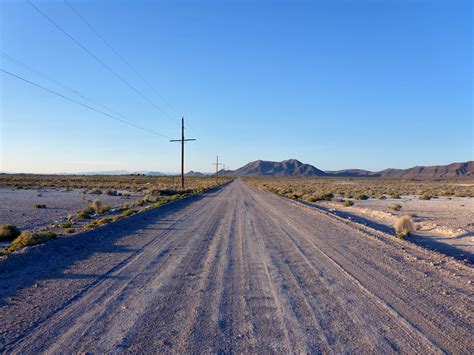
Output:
(17, 206)
(456, 213)
(237, 270)
(446, 225)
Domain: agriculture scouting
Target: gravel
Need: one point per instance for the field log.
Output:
(17, 206)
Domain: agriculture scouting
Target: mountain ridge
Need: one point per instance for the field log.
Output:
(294, 167)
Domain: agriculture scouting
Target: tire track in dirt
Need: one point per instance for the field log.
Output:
(432, 326)
(242, 270)
(306, 274)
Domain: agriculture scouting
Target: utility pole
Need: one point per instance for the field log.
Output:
(182, 140)
(217, 168)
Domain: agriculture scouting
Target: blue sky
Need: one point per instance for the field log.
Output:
(337, 84)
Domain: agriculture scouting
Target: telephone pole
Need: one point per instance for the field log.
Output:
(217, 168)
(182, 140)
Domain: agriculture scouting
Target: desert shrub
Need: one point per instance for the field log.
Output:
(99, 222)
(395, 207)
(292, 195)
(395, 196)
(8, 232)
(173, 198)
(117, 218)
(426, 196)
(65, 224)
(325, 197)
(383, 197)
(105, 208)
(362, 197)
(128, 213)
(348, 203)
(95, 191)
(99, 207)
(403, 226)
(149, 198)
(96, 206)
(168, 192)
(83, 215)
(140, 202)
(28, 238)
(310, 199)
(70, 230)
(111, 192)
(38, 205)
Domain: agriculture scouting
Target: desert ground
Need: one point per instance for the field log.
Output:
(442, 211)
(443, 224)
(18, 206)
(65, 205)
(236, 269)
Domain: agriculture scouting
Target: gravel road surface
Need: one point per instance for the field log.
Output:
(236, 270)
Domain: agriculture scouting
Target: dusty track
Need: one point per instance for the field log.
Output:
(237, 270)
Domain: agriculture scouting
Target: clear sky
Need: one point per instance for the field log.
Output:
(337, 84)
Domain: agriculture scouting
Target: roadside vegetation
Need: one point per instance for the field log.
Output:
(403, 227)
(112, 185)
(8, 232)
(317, 189)
(156, 191)
(423, 200)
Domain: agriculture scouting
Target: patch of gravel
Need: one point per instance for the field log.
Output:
(17, 206)
(457, 212)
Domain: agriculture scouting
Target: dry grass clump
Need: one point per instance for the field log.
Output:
(99, 222)
(395, 207)
(348, 203)
(66, 224)
(99, 207)
(8, 232)
(82, 215)
(128, 213)
(28, 238)
(404, 226)
(38, 205)
(426, 197)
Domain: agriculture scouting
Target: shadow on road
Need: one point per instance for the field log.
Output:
(30, 266)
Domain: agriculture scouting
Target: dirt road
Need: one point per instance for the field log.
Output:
(235, 270)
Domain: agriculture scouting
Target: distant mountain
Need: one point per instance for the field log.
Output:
(293, 167)
(352, 173)
(454, 170)
(194, 173)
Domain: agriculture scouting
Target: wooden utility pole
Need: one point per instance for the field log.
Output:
(182, 140)
(217, 168)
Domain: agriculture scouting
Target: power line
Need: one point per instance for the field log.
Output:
(63, 86)
(182, 141)
(96, 58)
(82, 104)
(119, 56)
